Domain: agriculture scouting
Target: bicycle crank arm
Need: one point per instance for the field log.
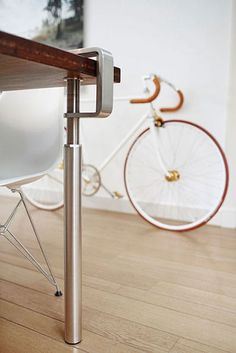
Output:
(114, 194)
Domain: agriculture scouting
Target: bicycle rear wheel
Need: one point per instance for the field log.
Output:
(197, 183)
(47, 192)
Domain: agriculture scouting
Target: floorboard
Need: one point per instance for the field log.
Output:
(144, 290)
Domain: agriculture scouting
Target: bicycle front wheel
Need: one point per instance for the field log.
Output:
(197, 180)
(47, 192)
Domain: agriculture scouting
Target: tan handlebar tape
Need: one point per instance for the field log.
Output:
(177, 107)
(152, 97)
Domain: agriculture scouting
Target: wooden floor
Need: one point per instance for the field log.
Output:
(144, 290)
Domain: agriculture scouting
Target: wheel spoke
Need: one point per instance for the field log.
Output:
(183, 203)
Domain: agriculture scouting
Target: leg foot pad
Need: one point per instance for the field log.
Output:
(58, 293)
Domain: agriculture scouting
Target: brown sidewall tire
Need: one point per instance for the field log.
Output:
(226, 174)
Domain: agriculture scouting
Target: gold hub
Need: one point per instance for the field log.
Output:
(173, 175)
(158, 121)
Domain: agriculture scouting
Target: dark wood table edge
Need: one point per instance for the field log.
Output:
(27, 49)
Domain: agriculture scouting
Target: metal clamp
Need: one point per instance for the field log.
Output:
(104, 83)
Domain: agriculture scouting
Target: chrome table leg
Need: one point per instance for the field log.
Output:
(73, 229)
(72, 191)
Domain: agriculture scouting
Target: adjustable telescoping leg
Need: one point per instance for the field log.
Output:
(73, 232)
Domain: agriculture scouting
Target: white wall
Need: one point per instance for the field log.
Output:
(186, 41)
(189, 42)
(230, 204)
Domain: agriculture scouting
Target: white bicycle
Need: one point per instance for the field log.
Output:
(176, 174)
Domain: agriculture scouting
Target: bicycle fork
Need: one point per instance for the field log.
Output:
(155, 130)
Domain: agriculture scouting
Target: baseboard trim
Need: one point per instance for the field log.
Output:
(106, 203)
(226, 217)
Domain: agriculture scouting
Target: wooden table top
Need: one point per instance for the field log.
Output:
(28, 64)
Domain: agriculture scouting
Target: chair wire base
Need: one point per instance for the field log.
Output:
(7, 234)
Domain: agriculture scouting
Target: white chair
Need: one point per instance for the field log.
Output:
(31, 141)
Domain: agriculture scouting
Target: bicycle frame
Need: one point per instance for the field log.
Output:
(147, 117)
(122, 143)
(150, 117)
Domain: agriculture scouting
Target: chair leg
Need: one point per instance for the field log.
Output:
(4, 231)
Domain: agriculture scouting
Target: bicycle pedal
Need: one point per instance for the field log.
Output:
(117, 195)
